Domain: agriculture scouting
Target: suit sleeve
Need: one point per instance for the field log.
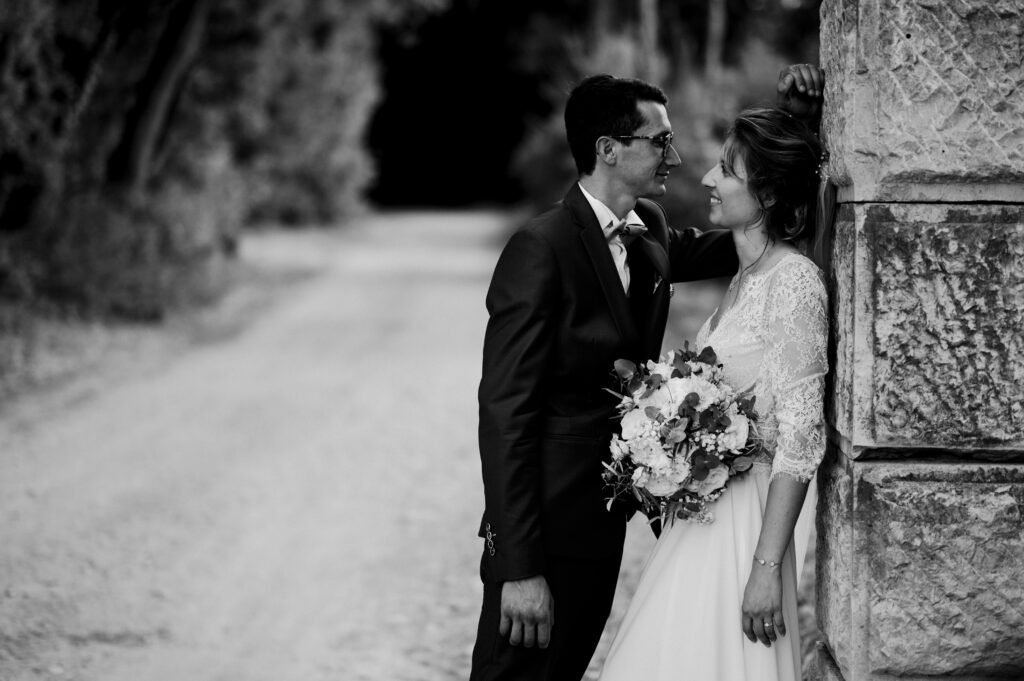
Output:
(698, 255)
(518, 345)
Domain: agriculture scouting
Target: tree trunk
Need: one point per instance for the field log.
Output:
(97, 56)
(648, 66)
(678, 45)
(599, 19)
(715, 44)
(713, 55)
(130, 163)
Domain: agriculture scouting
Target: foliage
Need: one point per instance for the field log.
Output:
(294, 84)
(759, 39)
(138, 136)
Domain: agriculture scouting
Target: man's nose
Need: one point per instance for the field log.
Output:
(672, 158)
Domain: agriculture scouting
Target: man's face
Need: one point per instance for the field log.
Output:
(643, 165)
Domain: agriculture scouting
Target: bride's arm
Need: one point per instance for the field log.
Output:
(762, 599)
(796, 364)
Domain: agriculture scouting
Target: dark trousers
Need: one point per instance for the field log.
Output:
(582, 591)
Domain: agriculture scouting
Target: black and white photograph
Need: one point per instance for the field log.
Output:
(493, 340)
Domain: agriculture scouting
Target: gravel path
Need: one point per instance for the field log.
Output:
(291, 501)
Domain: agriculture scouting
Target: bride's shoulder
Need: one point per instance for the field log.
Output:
(797, 274)
(796, 264)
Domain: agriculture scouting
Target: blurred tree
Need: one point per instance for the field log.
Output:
(484, 84)
(718, 55)
(137, 136)
(176, 48)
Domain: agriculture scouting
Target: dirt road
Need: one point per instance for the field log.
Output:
(295, 500)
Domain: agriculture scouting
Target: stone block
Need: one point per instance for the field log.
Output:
(928, 319)
(823, 667)
(922, 574)
(835, 559)
(925, 100)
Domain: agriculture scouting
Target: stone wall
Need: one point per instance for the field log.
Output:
(921, 523)
(924, 99)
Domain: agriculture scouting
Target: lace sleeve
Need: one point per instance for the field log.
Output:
(797, 329)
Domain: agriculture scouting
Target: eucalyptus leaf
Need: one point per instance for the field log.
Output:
(654, 414)
(675, 436)
(708, 356)
(742, 463)
(625, 369)
(699, 472)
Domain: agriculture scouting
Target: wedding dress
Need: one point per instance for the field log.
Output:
(683, 623)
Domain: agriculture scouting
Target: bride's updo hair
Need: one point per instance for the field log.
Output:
(781, 156)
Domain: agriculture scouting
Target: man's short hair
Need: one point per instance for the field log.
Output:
(604, 105)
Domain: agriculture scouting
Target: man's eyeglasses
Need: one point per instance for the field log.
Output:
(663, 142)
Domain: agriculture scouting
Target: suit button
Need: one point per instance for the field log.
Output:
(490, 539)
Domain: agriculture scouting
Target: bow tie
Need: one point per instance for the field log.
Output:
(626, 231)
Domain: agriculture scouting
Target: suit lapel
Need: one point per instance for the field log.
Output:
(654, 253)
(648, 254)
(601, 258)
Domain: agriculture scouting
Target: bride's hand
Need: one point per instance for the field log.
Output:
(762, 605)
(800, 92)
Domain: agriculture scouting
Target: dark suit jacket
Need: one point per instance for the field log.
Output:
(559, 318)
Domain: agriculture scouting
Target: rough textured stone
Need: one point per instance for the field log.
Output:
(928, 318)
(923, 574)
(851, 365)
(836, 561)
(823, 667)
(925, 99)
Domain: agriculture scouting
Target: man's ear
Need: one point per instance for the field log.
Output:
(604, 147)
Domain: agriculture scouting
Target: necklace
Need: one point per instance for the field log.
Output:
(737, 283)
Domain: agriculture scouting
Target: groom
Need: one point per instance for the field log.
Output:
(582, 285)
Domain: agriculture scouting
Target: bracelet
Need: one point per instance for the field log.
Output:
(767, 563)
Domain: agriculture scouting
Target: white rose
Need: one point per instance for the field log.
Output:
(658, 485)
(735, 436)
(618, 447)
(680, 470)
(717, 477)
(708, 392)
(658, 399)
(646, 451)
(679, 388)
(633, 424)
(660, 368)
(660, 462)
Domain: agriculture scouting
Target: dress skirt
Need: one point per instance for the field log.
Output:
(683, 623)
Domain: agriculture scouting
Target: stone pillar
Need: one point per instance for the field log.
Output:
(921, 523)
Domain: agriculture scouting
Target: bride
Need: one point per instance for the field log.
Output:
(717, 602)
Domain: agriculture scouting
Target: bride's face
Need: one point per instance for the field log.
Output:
(732, 203)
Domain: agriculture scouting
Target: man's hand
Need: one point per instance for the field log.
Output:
(527, 612)
(800, 91)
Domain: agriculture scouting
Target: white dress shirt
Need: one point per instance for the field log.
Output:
(611, 224)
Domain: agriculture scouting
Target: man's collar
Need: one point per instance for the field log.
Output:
(606, 218)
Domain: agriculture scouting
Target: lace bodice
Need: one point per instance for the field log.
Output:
(772, 343)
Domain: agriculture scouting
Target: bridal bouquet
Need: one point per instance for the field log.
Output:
(684, 434)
